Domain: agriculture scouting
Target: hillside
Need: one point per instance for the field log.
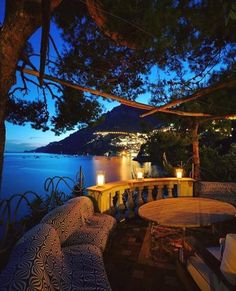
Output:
(120, 119)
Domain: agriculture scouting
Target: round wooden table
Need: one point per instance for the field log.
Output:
(180, 213)
(187, 212)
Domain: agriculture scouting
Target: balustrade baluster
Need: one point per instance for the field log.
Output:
(160, 191)
(149, 195)
(135, 201)
(125, 198)
(154, 192)
(144, 194)
(169, 190)
(154, 189)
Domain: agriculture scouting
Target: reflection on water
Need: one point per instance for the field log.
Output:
(28, 171)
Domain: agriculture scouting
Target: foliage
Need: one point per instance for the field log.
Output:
(16, 218)
(216, 167)
(217, 153)
(174, 145)
(71, 107)
(185, 40)
(179, 46)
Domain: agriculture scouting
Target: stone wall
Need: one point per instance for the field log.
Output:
(217, 190)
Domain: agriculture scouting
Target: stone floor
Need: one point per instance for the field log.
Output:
(127, 263)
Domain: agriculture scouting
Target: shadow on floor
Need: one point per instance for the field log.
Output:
(125, 267)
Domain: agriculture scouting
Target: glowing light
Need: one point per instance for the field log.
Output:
(179, 173)
(139, 173)
(100, 178)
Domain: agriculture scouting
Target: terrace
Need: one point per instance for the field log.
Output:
(139, 259)
(109, 56)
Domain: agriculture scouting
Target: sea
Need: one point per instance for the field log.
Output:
(28, 171)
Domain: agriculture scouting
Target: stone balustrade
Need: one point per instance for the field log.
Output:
(126, 196)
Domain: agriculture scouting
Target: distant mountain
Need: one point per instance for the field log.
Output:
(120, 119)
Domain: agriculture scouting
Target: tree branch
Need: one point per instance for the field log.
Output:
(120, 99)
(194, 96)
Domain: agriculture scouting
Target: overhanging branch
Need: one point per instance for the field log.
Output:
(117, 98)
(192, 97)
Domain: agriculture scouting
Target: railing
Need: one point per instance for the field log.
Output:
(122, 197)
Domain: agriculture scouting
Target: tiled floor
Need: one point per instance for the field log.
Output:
(126, 267)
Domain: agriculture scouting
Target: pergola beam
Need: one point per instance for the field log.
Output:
(163, 109)
(194, 96)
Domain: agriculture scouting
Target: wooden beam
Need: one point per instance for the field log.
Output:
(194, 96)
(114, 97)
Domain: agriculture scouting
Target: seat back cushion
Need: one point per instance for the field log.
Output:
(85, 205)
(203, 276)
(228, 263)
(66, 219)
(36, 262)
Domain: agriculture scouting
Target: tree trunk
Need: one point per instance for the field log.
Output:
(196, 157)
(21, 21)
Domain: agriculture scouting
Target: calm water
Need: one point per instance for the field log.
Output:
(27, 171)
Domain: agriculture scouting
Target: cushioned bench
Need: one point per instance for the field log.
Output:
(76, 223)
(63, 252)
(212, 273)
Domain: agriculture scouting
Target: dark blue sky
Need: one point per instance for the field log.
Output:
(20, 138)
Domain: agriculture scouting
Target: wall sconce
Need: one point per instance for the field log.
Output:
(100, 178)
(139, 173)
(179, 173)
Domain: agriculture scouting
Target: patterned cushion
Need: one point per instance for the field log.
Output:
(101, 220)
(86, 207)
(36, 262)
(66, 219)
(87, 268)
(88, 235)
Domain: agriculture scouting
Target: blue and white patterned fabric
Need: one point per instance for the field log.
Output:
(90, 218)
(63, 252)
(76, 223)
(101, 220)
(89, 235)
(66, 219)
(88, 268)
(36, 262)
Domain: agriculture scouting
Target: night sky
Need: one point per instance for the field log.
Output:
(20, 138)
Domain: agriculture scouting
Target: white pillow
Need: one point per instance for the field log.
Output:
(228, 263)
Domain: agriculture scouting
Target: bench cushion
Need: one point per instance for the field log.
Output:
(228, 263)
(66, 219)
(202, 274)
(102, 220)
(89, 235)
(36, 262)
(87, 268)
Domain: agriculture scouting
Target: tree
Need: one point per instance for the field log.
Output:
(22, 18)
(183, 40)
(187, 42)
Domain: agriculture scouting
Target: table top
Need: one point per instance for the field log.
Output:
(187, 212)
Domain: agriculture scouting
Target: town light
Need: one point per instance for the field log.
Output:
(139, 173)
(100, 178)
(179, 173)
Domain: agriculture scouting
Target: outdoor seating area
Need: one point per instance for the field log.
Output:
(212, 267)
(75, 247)
(63, 252)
